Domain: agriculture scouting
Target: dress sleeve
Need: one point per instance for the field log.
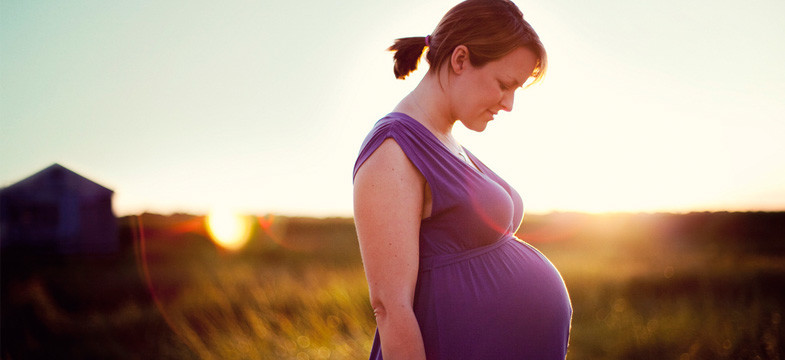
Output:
(404, 135)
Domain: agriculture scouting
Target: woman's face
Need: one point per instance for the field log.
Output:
(478, 93)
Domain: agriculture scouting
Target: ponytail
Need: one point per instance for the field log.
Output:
(407, 55)
(490, 29)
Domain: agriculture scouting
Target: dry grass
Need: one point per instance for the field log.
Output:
(637, 293)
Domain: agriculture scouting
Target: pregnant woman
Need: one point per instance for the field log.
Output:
(446, 275)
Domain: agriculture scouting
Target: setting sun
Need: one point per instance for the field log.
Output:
(228, 229)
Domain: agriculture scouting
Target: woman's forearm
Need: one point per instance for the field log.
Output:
(400, 334)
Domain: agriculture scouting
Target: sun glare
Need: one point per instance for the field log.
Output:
(229, 229)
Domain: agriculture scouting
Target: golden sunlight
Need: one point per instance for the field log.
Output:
(229, 229)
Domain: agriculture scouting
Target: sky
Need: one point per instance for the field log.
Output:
(261, 106)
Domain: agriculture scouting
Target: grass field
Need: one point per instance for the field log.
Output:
(646, 286)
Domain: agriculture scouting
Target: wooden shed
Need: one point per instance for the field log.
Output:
(58, 211)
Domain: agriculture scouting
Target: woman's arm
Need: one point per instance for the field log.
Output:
(388, 206)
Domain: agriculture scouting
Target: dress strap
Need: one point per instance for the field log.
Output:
(410, 135)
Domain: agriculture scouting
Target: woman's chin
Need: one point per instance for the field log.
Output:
(478, 125)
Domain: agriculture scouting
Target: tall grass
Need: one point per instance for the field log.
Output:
(236, 310)
(642, 287)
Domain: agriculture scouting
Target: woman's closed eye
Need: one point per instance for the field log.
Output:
(505, 86)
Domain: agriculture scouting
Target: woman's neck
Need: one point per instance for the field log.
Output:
(429, 105)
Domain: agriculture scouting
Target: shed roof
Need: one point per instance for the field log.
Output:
(54, 180)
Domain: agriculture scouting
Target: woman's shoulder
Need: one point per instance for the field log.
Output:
(404, 131)
(397, 121)
(403, 128)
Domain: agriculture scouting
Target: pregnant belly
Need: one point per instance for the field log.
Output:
(505, 301)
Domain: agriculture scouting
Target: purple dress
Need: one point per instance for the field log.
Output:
(481, 293)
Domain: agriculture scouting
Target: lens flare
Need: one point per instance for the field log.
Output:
(229, 229)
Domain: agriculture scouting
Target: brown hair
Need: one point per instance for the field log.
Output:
(490, 29)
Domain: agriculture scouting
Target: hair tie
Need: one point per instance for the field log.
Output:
(428, 40)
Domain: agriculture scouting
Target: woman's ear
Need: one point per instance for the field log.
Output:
(459, 59)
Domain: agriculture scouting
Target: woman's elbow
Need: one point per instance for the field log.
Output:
(384, 309)
(379, 310)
